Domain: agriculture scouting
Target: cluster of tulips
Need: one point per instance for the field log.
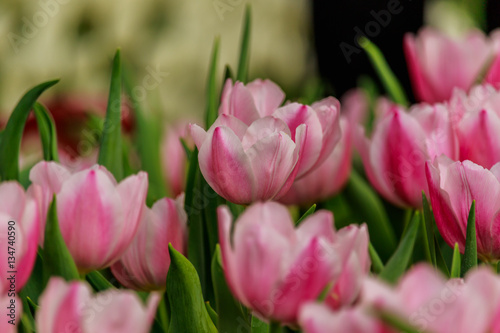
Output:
(242, 248)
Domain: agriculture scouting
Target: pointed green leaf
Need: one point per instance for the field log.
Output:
(230, 312)
(242, 74)
(211, 312)
(98, 281)
(48, 134)
(377, 265)
(228, 73)
(455, 263)
(147, 143)
(367, 203)
(57, 260)
(470, 254)
(389, 80)
(310, 211)
(212, 95)
(35, 286)
(440, 262)
(189, 313)
(110, 152)
(428, 227)
(399, 261)
(13, 132)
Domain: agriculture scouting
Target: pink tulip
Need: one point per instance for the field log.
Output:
(326, 180)
(401, 142)
(19, 234)
(352, 242)
(423, 298)
(452, 187)
(244, 163)
(174, 157)
(71, 307)
(144, 266)
(437, 63)
(98, 218)
(273, 268)
(478, 122)
(259, 99)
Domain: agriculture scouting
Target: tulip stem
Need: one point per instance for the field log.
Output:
(274, 327)
(163, 313)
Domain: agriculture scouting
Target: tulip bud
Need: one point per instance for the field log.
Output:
(71, 307)
(19, 235)
(437, 63)
(452, 188)
(145, 263)
(273, 268)
(98, 218)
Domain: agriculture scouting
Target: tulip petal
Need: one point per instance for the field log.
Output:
(267, 95)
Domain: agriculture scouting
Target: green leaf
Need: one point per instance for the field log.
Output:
(110, 152)
(228, 73)
(242, 74)
(428, 227)
(440, 261)
(389, 80)
(310, 211)
(455, 263)
(230, 311)
(189, 313)
(13, 132)
(98, 281)
(367, 203)
(212, 94)
(56, 258)
(470, 254)
(48, 134)
(147, 142)
(377, 265)
(399, 261)
(35, 286)
(258, 326)
(477, 11)
(211, 312)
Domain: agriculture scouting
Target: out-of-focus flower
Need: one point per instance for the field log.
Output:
(452, 187)
(273, 268)
(12, 307)
(394, 157)
(352, 243)
(260, 99)
(98, 217)
(19, 234)
(438, 63)
(174, 157)
(244, 163)
(71, 307)
(423, 298)
(145, 263)
(477, 117)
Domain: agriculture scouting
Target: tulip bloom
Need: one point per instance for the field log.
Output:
(259, 99)
(71, 307)
(144, 266)
(174, 157)
(244, 163)
(438, 63)
(452, 187)
(19, 234)
(9, 324)
(401, 142)
(328, 179)
(423, 298)
(273, 268)
(477, 118)
(98, 218)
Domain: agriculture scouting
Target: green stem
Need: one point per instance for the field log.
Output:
(163, 313)
(274, 327)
